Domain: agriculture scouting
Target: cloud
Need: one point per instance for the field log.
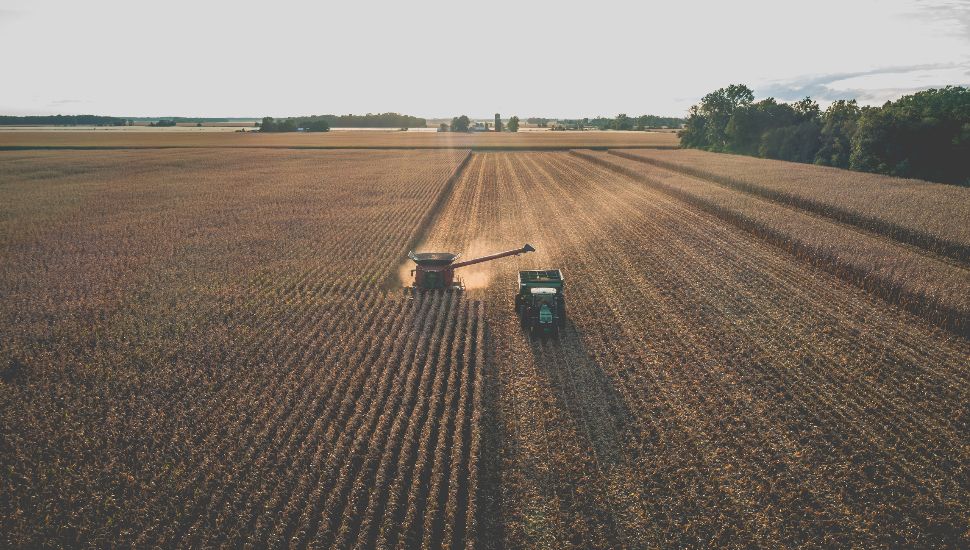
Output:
(8, 15)
(871, 86)
(955, 13)
(66, 101)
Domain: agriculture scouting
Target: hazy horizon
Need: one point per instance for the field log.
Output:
(441, 59)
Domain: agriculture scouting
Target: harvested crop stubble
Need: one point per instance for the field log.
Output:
(197, 351)
(708, 389)
(922, 283)
(335, 139)
(929, 215)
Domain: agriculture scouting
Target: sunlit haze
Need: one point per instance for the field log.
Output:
(439, 59)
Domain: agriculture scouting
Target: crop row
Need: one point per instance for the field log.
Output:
(707, 389)
(910, 211)
(935, 289)
(914, 416)
(221, 350)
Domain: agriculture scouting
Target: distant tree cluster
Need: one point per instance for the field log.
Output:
(925, 135)
(380, 120)
(621, 122)
(323, 123)
(312, 124)
(306, 124)
(647, 122)
(513, 124)
(62, 120)
(180, 119)
(164, 123)
(269, 124)
(464, 124)
(460, 124)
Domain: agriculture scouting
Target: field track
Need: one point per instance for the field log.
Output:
(791, 409)
(211, 347)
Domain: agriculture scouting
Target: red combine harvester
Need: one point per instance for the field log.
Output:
(436, 270)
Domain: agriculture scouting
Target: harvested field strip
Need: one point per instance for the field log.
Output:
(909, 211)
(963, 379)
(937, 290)
(701, 394)
(236, 351)
(287, 301)
(700, 260)
(199, 350)
(432, 212)
(20, 141)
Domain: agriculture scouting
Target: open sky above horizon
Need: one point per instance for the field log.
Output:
(439, 59)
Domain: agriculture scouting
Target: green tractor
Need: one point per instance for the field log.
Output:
(540, 302)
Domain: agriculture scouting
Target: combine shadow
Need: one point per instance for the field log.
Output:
(582, 388)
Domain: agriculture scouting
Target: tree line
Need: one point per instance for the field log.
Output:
(925, 135)
(380, 120)
(306, 124)
(194, 120)
(62, 120)
(323, 123)
(463, 124)
(620, 122)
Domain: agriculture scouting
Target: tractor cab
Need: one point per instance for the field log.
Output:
(545, 300)
(540, 302)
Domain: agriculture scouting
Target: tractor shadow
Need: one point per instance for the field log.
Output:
(581, 387)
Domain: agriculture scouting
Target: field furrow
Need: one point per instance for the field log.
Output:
(688, 413)
(936, 289)
(212, 347)
(910, 211)
(238, 343)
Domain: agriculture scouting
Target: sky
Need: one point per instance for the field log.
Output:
(439, 59)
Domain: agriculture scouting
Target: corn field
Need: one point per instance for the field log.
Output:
(212, 347)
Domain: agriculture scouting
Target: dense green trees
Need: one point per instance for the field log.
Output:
(282, 125)
(513, 124)
(924, 135)
(315, 125)
(622, 122)
(706, 125)
(835, 136)
(460, 124)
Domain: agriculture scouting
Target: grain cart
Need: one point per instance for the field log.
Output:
(541, 303)
(436, 270)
